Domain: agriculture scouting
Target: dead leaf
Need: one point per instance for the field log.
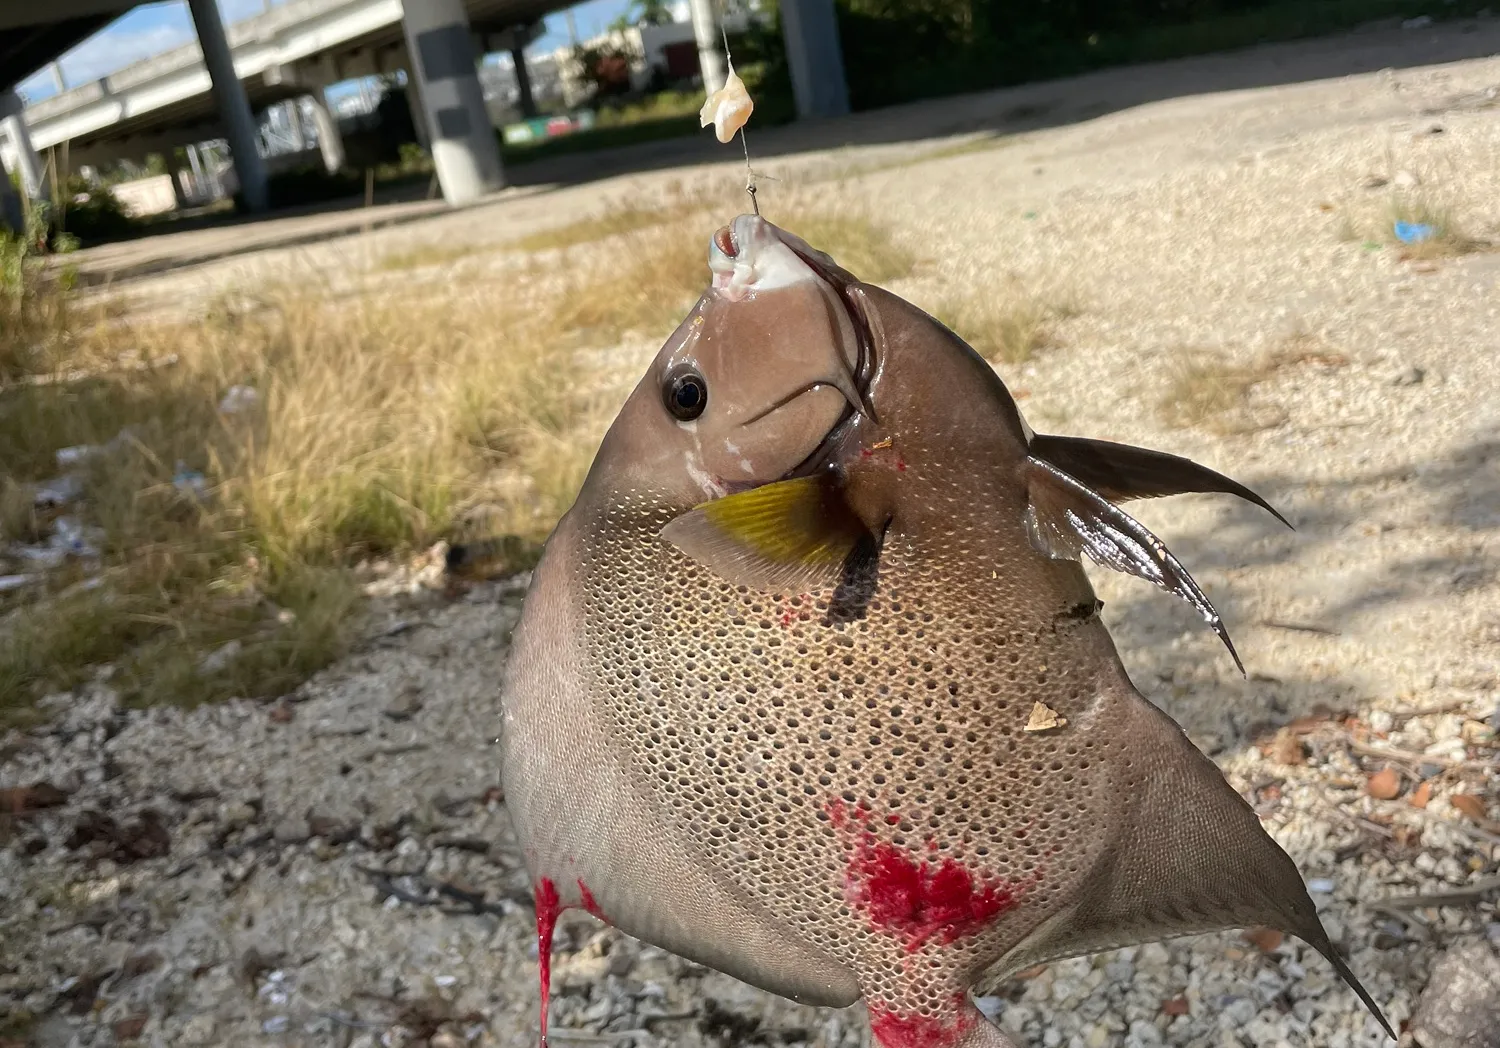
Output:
(23, 800)
(1264, 939)
(1031, 973)
(1286, 748)
(1325, 206)
(281, 713)
(1044, 718)
(129, 1029)
(1176, 1006)
(1470, 805)
(1421, 795)
(1384, 785)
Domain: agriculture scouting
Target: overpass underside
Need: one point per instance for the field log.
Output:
(209, 89)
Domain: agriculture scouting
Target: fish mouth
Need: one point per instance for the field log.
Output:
(752, 255)
(859, 405)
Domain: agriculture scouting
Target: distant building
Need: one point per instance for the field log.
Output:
(669, 51)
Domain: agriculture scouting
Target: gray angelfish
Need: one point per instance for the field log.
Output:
(810, 686)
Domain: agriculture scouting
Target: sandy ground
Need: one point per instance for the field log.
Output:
(339, 869)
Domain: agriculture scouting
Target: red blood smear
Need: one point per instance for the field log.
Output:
(547, 909)
(901, 465)
(917, 899)
(588, 900)
(893, 1030)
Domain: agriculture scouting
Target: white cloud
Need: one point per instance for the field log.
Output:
(114, 49)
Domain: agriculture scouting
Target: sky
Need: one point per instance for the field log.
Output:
(153, 28)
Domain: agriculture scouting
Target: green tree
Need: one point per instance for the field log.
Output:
(651, 12)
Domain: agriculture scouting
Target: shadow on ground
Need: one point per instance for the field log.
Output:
(1197, 683)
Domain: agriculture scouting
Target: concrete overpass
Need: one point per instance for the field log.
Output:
(209, 89)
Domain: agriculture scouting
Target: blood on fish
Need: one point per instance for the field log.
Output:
(894, 1030)
(916, 898)
(588, 900)
(547, 909)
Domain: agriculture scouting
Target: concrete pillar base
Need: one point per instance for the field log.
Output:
(815, 58)
(234, 107)
(523, 82)
(464, 147)
(330, 138)
(706, 32)
(13, 122)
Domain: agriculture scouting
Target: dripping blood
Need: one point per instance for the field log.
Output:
(547, 909)
(588, 900)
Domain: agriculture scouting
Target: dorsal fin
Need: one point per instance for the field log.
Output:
(1121, 472)
(1066, 519)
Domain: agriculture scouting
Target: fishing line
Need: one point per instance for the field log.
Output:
(745, 142)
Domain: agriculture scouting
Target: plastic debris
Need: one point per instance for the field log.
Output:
(76, 455)
(189, 481)
(74, 539)
(1414, 232)
(15, 582)
(238, 399)
(1320, 886)
(59, 491)
(727, 109)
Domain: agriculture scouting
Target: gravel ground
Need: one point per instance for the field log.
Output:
(338, 867)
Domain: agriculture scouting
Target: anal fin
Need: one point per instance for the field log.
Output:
(1066, 520)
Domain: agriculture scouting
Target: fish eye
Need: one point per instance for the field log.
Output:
(685, 393)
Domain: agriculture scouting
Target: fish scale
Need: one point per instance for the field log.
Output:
(790, 753)
(922, 766)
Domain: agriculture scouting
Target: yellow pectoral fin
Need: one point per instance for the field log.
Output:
(792, 536)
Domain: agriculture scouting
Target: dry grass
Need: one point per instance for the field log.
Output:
(1211, 391)
(653, 277)
(382, 424)
(1375, 228)
(1008, 325)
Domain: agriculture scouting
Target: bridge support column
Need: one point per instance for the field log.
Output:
(330, 138)
(28, 164)
(234, 107)
(710, 43)
(464, 147)
(815, 58)
(12, 215)
(174, 170)
(523, 82)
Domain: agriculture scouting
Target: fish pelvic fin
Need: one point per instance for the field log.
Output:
(791, 536)
(1121, 472)
(1065, 520)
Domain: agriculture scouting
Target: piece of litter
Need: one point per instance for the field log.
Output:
(59, 491)
(727, 109)
(1413, 232)
(989, 1007)
(275, 1024)
(189, 481)
(1320, 885)
(76, 454)
(239, 398)
(220, 658)
(1044, 718)
(15, 582)
(445, 981)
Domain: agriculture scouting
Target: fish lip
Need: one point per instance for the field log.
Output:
(742, 235)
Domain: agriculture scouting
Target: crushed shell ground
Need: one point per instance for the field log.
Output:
(338, 869)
